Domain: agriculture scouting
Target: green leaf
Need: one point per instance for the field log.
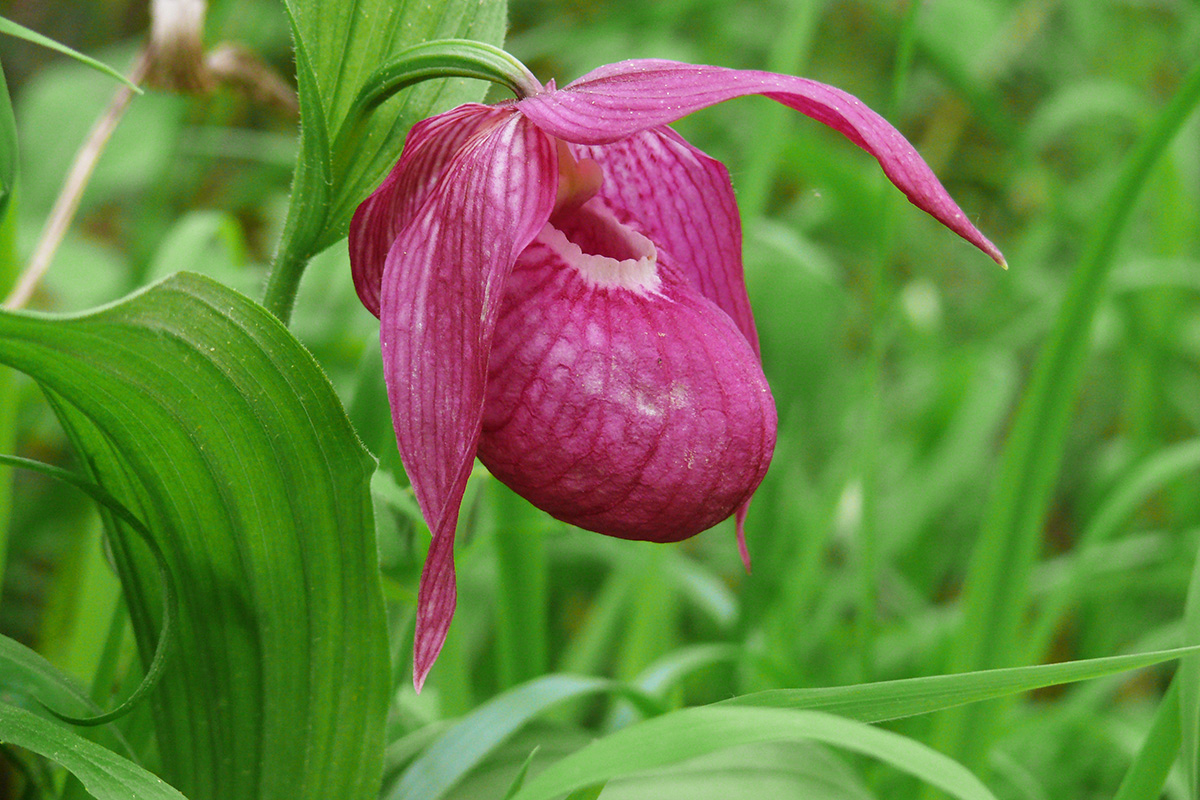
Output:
(205, 417)
(106, 775)
(170, 608)
(1188, 680)
(308, 208)
(694, 732)
(519, 780)
(750, 772)
(471, 739)
(347, 42)
(30, 681)
(21, 32)
(1147, 774)
(877, 702)
(25, 674)
(8, 147)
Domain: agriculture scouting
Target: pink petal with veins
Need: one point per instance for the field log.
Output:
(682, 200)
(441, 289)
(619, 100)
(430, 146)
(619, 398)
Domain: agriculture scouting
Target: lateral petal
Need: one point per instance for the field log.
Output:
(682, 200)
(441, 290)
(430, 145)
(621, 99)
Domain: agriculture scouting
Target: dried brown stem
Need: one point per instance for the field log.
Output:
(72, 192)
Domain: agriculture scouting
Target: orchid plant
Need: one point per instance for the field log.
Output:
(559, 286)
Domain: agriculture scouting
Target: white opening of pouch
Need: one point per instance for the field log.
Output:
(607, 253)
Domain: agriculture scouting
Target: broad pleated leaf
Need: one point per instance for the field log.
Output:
(345, 43)
(202, 414)
(106, 775)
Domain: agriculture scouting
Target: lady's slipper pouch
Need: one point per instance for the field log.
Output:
(559, 285)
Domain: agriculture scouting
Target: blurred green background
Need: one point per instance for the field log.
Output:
(897, 355)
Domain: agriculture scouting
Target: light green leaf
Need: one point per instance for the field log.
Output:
(205, 417)
(25, 675)
(877, 702)
(472, 738)
(694, 732)
(106, 775)
(30, 681)
(664, 674)
(21, 32)
(1147, 774)
(750, 772)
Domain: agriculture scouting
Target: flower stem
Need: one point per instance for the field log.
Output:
(283, 282)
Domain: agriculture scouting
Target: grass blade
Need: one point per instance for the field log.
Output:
(877, 702)
(106, 775)
(21, 32)
(1188, 680)
(170, 598)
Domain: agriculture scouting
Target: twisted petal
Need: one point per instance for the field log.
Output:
(682, 200)
(441, 289)
(430, 145)
(619, 100)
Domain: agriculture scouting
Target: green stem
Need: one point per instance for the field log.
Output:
(996, 592)
(445, 58)
(283, 282)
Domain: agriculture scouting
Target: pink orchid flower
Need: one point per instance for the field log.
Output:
(559, 284)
